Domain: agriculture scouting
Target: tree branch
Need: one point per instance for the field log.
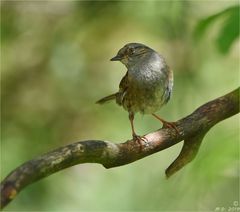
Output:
(192, 129)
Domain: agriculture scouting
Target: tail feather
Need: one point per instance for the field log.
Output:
(106, 99)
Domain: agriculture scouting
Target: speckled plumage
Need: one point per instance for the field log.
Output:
(148, 83)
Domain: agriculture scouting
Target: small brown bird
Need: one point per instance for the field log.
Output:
(146, 86)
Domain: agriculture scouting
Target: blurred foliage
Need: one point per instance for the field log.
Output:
(55, 66)
(229, 31)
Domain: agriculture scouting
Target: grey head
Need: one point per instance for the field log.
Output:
(131, 53)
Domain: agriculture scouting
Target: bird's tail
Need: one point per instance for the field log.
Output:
(106, 99)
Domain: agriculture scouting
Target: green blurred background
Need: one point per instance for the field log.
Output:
(55, 65)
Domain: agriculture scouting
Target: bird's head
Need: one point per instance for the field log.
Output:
(131, 53)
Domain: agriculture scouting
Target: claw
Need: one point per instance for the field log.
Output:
(167, 124)
(139, 139)
(136, 137)
(171, 125)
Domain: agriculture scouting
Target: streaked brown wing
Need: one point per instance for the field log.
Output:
(123, 86)
(168, 86)
(124, 83)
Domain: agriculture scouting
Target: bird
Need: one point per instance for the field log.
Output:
(146, 86)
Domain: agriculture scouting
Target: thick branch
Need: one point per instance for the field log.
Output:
(192, 130)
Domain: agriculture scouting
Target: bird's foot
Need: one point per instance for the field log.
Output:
(140, 140)
(167, 124)
(171, 125)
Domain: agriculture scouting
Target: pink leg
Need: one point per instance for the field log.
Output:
(136, 137)
(166, 123)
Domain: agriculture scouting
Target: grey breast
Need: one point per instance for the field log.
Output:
(148, 82)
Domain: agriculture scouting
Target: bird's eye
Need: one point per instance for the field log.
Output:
(130, 51)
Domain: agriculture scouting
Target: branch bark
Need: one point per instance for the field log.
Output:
(192, 130)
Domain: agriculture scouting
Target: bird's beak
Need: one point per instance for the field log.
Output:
(116, 58)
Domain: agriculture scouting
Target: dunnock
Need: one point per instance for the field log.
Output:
(146, 86)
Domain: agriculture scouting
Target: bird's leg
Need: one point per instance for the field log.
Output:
(166, 123)
(131, 118)
(136, 137)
